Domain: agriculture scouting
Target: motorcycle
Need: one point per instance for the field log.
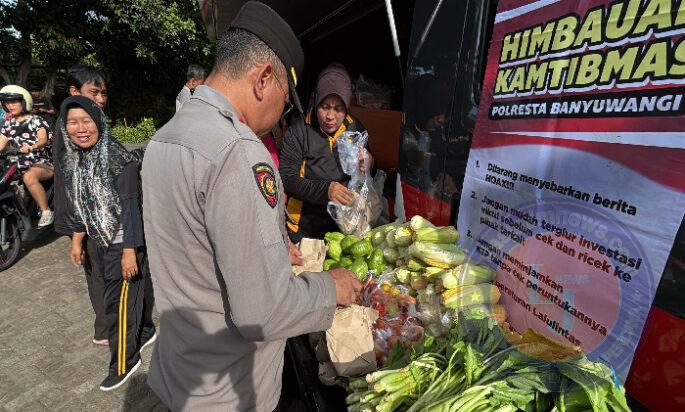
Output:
(19, 213)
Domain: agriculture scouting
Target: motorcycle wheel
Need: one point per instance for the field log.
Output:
(10, 255)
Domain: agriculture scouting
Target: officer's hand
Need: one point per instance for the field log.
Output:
(77, 254)
(295, 255)
(129, 264)
(347, 287)
(340, 194)
(365, 165)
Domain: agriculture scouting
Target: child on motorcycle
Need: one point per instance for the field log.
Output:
(31, 135)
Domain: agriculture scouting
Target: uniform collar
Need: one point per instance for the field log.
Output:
(217, 100)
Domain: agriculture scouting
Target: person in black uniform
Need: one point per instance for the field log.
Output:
(309, 165)
(101, 182)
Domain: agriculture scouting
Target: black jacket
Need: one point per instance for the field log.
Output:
(308, 165)
(64, 214)
(127, 182)
(128, 188)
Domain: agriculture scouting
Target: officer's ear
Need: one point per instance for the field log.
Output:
(263, 79)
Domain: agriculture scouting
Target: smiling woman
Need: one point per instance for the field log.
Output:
(81, 128)
(102, 185)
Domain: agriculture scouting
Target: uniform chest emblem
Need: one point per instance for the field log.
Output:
(266, 181)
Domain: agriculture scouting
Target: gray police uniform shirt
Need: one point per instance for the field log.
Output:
(215, 232)
(183, 97)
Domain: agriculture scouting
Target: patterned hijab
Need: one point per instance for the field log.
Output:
(90, 174)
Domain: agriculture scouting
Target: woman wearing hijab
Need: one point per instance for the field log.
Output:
(310, 167)
(102, 185)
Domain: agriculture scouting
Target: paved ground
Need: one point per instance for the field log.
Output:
(47, 360)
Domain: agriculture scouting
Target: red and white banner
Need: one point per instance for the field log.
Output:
(575, 185)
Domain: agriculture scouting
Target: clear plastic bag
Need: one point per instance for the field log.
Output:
(357, 218)
(397, 320)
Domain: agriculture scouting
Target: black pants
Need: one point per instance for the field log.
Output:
(128, 315)
(96, 288)
(147, 327)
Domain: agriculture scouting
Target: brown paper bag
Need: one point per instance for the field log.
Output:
(313, 254)
(350, 342)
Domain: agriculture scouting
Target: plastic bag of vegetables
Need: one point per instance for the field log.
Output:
(358, 217)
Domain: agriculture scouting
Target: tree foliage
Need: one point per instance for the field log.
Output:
(144, 46)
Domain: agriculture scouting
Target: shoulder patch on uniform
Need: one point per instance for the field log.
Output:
(266, 181)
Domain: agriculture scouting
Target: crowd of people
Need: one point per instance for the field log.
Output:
(204, 226)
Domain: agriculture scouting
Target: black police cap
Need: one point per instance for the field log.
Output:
(262, 21)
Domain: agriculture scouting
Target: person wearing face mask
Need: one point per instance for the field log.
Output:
(101, 182)
(310, 167)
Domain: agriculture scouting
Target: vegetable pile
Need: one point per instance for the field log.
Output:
(480, 366)
(357, 255)
(420, 260)
(442, 340)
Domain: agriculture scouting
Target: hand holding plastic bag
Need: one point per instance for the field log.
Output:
(357, 217)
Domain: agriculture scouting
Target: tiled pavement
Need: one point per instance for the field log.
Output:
(47, 359)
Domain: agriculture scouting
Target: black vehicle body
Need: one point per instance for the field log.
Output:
(19, 213)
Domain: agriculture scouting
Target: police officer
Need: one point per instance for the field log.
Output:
(215, 229)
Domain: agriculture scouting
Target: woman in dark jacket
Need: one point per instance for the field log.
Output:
(102, 185)
(309, 164)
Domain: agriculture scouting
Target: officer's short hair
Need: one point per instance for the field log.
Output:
(81, 74)
(195, 72)
(238, 51)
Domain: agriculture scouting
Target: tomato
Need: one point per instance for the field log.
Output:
(380, 307)
(380, 324)
(379, 356)
(377, 296)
